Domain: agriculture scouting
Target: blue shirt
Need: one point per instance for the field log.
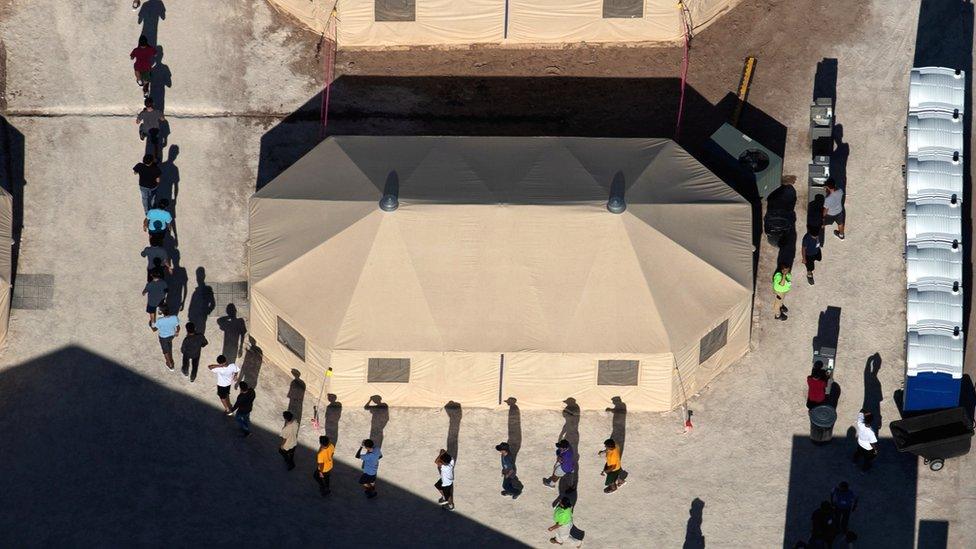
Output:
(158, 220)
(167, 325)
(565, 459)
(508, 464)
(371, 461)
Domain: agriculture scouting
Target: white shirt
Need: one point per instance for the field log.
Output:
(447, 474)
(225, 375)
(865, 435)
(834, 202)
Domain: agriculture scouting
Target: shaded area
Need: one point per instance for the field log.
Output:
(234, 330)
(514, 427)
(618, 423)
(380, 412)
(873, 393)
(454, 412)
(296, 395)
(150, 13)
(509, 106)
(886, 511)
(175, 475)
(12, 150)
(933, 534)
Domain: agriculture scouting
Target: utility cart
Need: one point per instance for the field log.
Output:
(935, 436)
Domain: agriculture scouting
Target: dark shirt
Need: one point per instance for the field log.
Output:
(245, 402)
(810, 245)
(823, 525)
(508, 464)
(151, 253)
(782, 198)
(843, 500)
(155, 292)
(148, 174)
(193, 344)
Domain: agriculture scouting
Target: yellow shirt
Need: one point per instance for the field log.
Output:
(613, 459)
(324, 458)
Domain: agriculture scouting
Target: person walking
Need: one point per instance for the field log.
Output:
(149, 173)
(844, 501)
(148, 121)
(782, 282)
(323, 465)
(157, 258)
(371, 464)
(158, 219)
(289, 439)
(562, 518)
(226, 376)
(144, 54)
(167, 327)
(816, 386)
(445, 484)
(190, 349)
(612, 468)
(867, 441)
(155, 292)
(824, 526)
(811, 251)
(833, 208)
(242, 408)
(511, 486)
(564, 463)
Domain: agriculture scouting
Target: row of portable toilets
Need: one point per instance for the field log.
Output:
(934, 170)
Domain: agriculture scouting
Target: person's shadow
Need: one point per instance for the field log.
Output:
(252, 362)
(619, 422)
(838, 160)
(694, 539)
(514, 427)
(296, 394)
(873, 394)
(454, 412)
(176, 283)
(333, 412)
(169, 179)
(381, 416)
(151, 12)
(234, 330)
(162, 78)
(202, 302)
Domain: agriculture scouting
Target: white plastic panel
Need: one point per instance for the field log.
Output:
(934, 353)
(933, 268)
(934, 312)
(937, 88)
(934, 179)
(934, 132)
(933, 225)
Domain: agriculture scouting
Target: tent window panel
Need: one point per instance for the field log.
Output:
(618, 372)
(617, 9)
(388, 370)
(395, 10)
(291, 339)
(713, 342)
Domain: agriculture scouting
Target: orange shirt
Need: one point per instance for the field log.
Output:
(324, 458)
(613, 459)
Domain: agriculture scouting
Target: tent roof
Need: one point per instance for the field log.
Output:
(500, 244)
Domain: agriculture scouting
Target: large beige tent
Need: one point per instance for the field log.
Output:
(367, 23)
(6, 260)
(501, 273)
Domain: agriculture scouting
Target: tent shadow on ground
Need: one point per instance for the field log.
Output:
(886, 511)
(508, 106)
(98, 455)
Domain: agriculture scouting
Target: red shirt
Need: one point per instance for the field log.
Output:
(816, 389)
(144, 57)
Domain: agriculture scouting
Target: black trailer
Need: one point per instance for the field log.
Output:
(935, 436)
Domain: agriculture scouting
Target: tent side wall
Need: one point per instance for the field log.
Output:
(693, 374)
(458, 22)
(6, 260)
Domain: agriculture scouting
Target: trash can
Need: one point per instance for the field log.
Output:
(822, 419)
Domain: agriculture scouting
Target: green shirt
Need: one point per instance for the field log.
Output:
(562, 516)
(780, 285)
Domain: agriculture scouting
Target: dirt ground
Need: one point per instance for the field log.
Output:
(153, 462)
